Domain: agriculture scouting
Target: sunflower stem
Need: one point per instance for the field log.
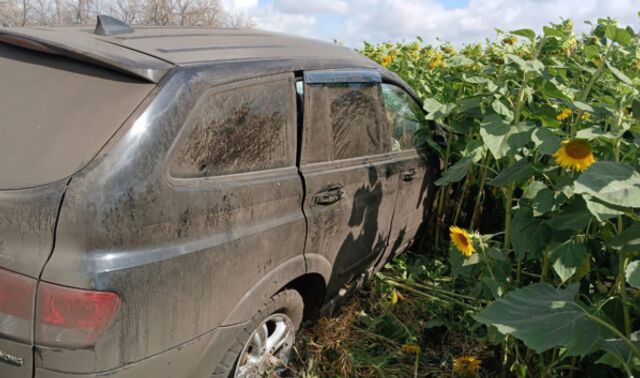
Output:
(545, 266)
(507, 217)
(587, 90)
(441, 192)
(483, 177)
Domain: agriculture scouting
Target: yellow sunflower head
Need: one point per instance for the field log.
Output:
(461, 239)
(575, 154)
(466, 366)
(564, 114)
(386, 60)
(411, 348)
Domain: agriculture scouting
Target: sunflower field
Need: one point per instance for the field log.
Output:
(530, 262)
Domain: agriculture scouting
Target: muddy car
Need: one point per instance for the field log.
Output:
(175, 201)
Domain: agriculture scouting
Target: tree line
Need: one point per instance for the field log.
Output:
(138, 12)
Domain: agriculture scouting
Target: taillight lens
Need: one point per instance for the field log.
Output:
(70, 317)
(17, 296)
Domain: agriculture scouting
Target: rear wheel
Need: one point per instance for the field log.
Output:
(263, 347)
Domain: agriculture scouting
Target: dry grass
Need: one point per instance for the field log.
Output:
(366, 338)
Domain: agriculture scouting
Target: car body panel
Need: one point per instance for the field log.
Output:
(16, 359)
(27, 226)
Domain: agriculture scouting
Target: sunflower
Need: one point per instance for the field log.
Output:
(575, 154)
(466, 366)
(386, 60)
(411, 348)
(461, 240)
(564, 114)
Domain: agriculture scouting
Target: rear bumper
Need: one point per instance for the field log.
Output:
(16, 359)
(193, 359)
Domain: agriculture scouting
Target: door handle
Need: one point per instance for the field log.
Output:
(328, 196)
(409, 174)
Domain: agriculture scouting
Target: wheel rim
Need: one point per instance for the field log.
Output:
(268, 348)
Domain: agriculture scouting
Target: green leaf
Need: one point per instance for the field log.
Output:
(619, 74)
(529, 234)
(544, 318)
(567, 258)
(632, 273)
(601, 211)
(595, 132)
(620, 355)
(455, 173)
(460, 264)
(470, 103)
(503, 139)
(436, 109)
(616, 34)
(628, 240)
(540, 198)
(474, 150)
(572, 217)
(527, 33)
(611, 182)
(546, 141)
(500, 108)
(583, 106)
(591, 51)
(513, 173)
(526, 65)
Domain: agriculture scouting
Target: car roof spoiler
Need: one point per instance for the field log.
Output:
(87, 49)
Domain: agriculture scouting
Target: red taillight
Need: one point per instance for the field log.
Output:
(73, 317)
(17, 295)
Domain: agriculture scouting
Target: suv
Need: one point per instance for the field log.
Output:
(175, 201)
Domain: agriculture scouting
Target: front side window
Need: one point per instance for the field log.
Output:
(356, 120)
(240, 130)
(404, 115)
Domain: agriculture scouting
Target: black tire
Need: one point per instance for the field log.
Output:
(288, 302)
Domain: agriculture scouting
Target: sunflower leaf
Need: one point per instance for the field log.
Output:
(455, 173)
(567, 258)
(632, 274)
(529, 234)
(544, 317)
(513, 173)
(611, 182)
(503, 139)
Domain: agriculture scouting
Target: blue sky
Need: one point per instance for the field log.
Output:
(455, 21)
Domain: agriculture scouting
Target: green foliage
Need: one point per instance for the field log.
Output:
(544, 317)
(543, 154)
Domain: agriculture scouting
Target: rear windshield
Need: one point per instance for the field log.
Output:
(56, 113)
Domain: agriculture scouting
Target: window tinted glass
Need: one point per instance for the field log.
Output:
(240, 130)
(356, 122)
(404, 115)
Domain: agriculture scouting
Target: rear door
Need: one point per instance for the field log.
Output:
(405, 118)
(345, 162)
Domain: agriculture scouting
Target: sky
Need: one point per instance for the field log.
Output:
(456, 21)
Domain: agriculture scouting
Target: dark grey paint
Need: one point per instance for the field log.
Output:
(193, 258)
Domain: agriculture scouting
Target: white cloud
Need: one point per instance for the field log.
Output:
(309, 7)
(396, 19)
(354, 21)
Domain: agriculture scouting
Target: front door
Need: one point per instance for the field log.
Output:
(345, 156)
(405, 117)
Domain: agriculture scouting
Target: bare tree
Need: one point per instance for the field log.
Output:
(239, 21)
(141, 12)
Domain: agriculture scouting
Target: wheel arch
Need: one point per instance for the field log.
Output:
(308, 275)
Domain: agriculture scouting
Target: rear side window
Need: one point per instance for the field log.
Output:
(404, 115)
(246, 128)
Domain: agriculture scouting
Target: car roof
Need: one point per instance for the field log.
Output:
(150, 52)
